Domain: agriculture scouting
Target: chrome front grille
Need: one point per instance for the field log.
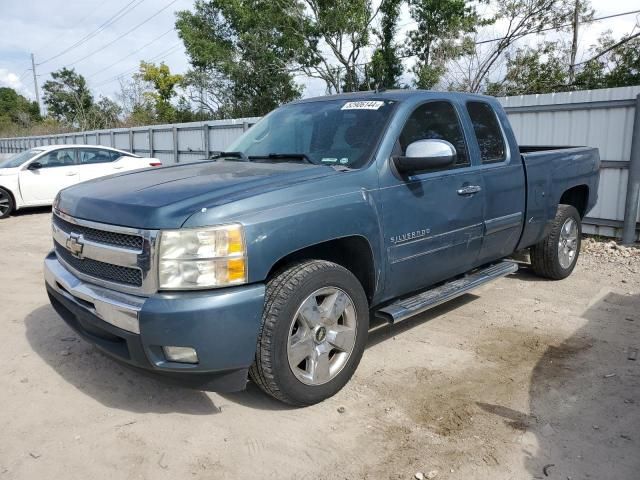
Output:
(101, 270)
(124, 240)
(119, 258)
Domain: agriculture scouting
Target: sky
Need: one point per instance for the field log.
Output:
(77, 34)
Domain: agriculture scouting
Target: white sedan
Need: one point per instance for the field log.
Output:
(34, 177)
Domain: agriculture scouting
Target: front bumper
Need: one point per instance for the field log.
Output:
(221, 325)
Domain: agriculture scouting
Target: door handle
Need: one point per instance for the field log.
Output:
(469, 190)
(71, 174)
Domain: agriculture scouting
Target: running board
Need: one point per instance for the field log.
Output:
(408, 307)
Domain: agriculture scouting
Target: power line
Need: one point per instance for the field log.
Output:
(123, 35)
(161, 55)
(560, 26)
(110, 21)
(131, 54)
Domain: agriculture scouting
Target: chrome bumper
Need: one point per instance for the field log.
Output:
(118, 309)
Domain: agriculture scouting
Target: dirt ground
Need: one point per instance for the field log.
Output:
(522, 379)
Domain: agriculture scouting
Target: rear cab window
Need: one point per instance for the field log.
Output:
(491, 142)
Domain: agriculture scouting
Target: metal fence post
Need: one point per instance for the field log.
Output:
(205, 140)
(174, 132)
(633, 183)
(151, 142)
(131, 140)
(112, 134)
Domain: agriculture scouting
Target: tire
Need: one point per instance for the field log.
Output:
(298, 324)
(556, 256)
(7, 205)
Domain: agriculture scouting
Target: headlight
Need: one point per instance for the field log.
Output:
(193, 259)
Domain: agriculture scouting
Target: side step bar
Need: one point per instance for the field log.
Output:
(408, 307)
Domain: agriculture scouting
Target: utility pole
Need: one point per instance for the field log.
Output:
(35, 82)
(574, 43)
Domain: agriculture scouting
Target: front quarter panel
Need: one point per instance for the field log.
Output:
(284, 221)
(11, 183)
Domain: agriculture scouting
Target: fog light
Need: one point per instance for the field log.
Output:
(180, 354)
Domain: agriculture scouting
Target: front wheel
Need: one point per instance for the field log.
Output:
(556, 256)
(315, 326)
(6, 203)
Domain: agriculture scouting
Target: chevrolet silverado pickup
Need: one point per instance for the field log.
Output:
(269, 260)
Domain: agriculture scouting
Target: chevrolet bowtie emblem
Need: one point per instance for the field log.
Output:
(75, 245)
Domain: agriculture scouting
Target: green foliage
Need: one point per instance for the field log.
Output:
(251, 45)
(615, 66)
(386, 64)
(68, 98)
(16, 111)
(436, 40)
(163, 84)
(545, 69)
(534, 70)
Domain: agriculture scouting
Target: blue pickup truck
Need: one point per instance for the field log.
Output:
(269, 260)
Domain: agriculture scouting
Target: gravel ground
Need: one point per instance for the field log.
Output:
(524, 378)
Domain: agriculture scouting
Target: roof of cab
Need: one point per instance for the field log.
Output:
(396, 95)
(47, 148)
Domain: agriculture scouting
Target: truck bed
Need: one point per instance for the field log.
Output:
(551, 172)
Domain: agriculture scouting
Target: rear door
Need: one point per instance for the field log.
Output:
(97, 162)
(504, 181)
(433, 229)
(59, 170)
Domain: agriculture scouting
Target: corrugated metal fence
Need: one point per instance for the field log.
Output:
(180, 142)
(597, 118)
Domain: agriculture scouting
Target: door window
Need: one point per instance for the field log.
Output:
(436, 120)
(58, 158)
(90, 156)
(488, 132)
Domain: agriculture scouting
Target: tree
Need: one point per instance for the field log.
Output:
(520, 18)
(14, 108)
(611, 63)
(68, 98)
(534, 70)
(163, 88)
(335, 31)
(249, 46)
(386, 67)
(105, 114)
(435, 41)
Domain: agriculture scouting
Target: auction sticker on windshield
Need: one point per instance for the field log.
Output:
(363, 105)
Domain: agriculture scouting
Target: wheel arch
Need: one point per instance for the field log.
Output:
(351, 252)
(577, 197)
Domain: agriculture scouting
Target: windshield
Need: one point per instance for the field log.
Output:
(333, 132)
(20, 158)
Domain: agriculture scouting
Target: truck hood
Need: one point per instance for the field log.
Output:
(166, 197)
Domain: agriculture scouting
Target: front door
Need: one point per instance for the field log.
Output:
(58, 170)
(433, 222)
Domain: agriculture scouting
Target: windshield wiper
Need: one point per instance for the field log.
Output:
(280, 156)
(240, 155)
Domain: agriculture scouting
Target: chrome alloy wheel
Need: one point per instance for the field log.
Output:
(322, 336)
(5, 203)
(568, 243)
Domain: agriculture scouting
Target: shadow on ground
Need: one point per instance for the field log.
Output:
(112, 384)
(23, 212)
(585, 399)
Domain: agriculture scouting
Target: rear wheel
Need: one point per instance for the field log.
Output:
(6, 203)
(315, 326)
(556, 256)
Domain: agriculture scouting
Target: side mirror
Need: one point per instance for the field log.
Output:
(425, 155)
(34, 166)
